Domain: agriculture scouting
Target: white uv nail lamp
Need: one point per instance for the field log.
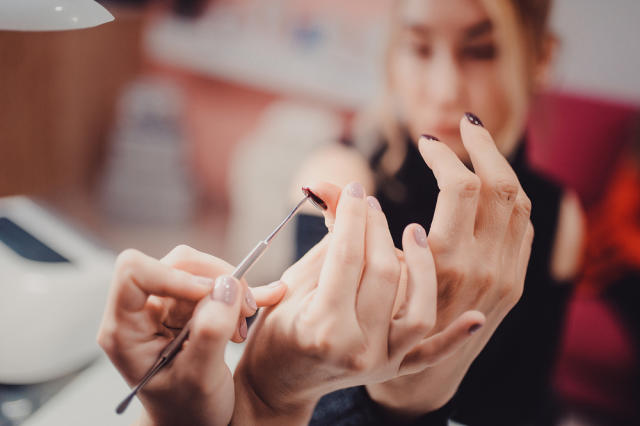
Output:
(53, 286)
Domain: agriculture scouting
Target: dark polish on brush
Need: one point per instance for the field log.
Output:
(473, 119)
(431, 138)
(474, 328)
(317, 201)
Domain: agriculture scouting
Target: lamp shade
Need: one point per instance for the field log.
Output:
(51, 15)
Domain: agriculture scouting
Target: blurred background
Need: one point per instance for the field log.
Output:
(175, 123)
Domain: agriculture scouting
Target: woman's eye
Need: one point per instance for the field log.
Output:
(421, 50)
(480, 52)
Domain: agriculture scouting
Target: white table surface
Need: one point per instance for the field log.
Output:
(91, 398)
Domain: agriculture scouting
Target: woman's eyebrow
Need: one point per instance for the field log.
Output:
(479, 29)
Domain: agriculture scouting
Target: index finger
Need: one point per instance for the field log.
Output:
(137, 276)
(340, 274)
(499, 183)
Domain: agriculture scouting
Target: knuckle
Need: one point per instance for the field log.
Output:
(510, 293)
(105, 339)
(310, 340)
(354, 357)
(452, 271)
(530, 233)
(487, 277)
(180, 251)
(354, 362)
(438, 241)
(523, 206)
(469, 186)
(126, 263)
(387, 270)
(208, 331)
(420, 326)
(505, 190)
(349, 255)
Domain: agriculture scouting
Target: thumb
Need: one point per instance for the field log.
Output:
(214, 323)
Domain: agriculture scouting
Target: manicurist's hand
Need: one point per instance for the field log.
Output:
(481, 239)
(355, 307)
(149, 302)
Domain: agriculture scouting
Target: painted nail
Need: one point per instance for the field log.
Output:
(243, 329)
(251, 302)
(225, 290)
(430, 138)
(373, 203)
(420, 235)
(474, 328)
(355, 189)
(315, 200)
(473, 119)
(204, 281)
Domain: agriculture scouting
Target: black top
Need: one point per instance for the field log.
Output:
(509, 382)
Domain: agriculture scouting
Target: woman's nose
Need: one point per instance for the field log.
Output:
(444, 80)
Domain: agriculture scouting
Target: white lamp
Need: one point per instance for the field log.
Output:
(51, 15)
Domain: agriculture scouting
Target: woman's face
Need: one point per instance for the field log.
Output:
(445, 62)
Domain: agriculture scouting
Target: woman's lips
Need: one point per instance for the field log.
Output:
(444, 133)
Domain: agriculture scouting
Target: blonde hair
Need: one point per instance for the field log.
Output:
(520, 25)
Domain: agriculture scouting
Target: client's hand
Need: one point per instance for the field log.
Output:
(481, 241)
(149, 302)
(337, 325)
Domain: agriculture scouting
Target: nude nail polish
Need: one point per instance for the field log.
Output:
(373, 203)
(474, 328)
(243, 329)
(251, 302)
(225, 290)
(473, 119)
(315, 200)
(430, 138)
(355, 189)
(420, 236)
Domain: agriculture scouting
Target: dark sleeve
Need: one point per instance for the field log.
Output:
(351, 406)
(354, 407)
(309, 231)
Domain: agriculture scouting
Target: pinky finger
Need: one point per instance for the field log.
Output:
(443, 344)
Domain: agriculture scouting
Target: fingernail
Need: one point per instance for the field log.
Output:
(420, 235)
(473, 119)
(474, 328)
(225, 290)
(243, 329)
(251, 302)
(275, 284)
(315, 200)
(373, 203)
(430, 138)
(355, 189)
(204, 281)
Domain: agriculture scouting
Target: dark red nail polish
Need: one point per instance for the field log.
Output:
(315, 200)
(474, 328)
(473, 119)
(431, 138)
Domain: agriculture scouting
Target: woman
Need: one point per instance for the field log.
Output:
(299, 352)
(480, 241)
(356, 311)
(445, 58)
